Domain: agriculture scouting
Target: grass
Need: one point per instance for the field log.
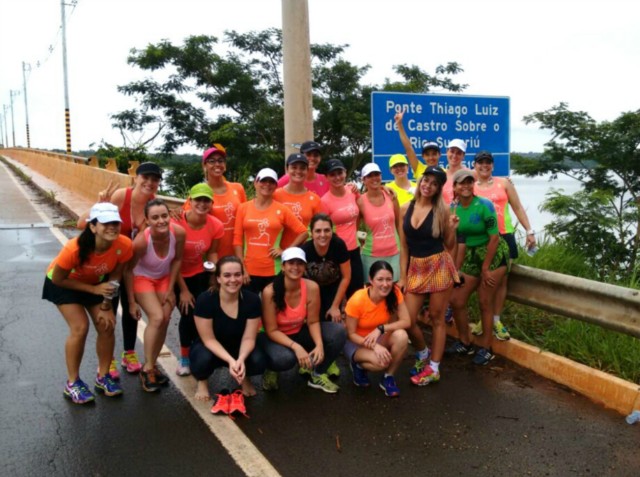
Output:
(591, 345)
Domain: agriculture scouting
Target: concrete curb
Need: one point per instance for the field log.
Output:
(603, 388)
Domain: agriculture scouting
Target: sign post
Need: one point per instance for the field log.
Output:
(482, 122)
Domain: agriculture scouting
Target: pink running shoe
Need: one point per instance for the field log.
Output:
(130, 362)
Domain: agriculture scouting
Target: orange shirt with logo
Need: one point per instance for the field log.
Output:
(304, 207)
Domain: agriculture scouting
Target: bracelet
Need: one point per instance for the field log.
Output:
(105, 306)
(531, 232)
(291, 344)
(381, 329)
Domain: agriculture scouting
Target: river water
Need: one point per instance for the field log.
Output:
(532, 191)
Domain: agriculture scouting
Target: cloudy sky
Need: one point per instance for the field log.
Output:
(538, 53)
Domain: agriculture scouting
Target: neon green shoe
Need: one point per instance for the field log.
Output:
(477, 329)
(333, 371)
(302, 371)
(322, 382)
(500, 331)
(270, 380)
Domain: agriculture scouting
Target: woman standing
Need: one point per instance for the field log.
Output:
(303, 203)
(227, 320)
(427, 237)
(376, 322)
(381, 217)
(314, 181)
(502, 193)
(294, 332)
(203, 232)
(482, 261)
(151, 277)
(131, 202)
(341, 205)
(80, 281)
(227, 196)
(403, 187)
(260, 224)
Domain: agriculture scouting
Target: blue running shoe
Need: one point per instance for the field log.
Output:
(420, 364)
(448, 316)
(388, 385)
(107, 386)
(78, 392)
(360, 377)
(483, 356)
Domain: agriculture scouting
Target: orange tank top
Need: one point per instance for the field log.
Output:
(290, 320)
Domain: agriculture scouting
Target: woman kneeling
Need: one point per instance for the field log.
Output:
(376, 322)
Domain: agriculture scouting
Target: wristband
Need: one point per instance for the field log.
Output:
(105, 306)
(381, 329)
(291, 345)
(531, 232)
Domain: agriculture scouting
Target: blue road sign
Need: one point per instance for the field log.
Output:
(481, 121)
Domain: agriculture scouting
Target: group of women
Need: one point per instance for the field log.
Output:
(265, 284)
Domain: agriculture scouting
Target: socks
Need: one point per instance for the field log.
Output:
(496, 318)
(435, 366)
(424, 354)
(184, 352)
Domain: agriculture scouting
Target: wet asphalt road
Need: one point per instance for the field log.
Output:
(500, 420)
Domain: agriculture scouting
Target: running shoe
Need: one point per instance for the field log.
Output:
(302, 371)
(419, 365)
(333, 370)
(270, 380)
(426, 376)
(129, 361)
(388, 385)
(149, 380)
(236, 403)
(360, 376)
(459, 348)
(322, 382)
(78, 392)
(223, 401)
(476, 329)
(107, 386)
(483, 356)
(500, 331)
(183, 368)
(161, 378)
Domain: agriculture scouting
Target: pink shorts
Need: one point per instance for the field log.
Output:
(142, 284)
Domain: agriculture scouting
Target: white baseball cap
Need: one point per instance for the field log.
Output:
(292, 253)
(104, 212)
(459, 143)
(267, 173)
(369, 168)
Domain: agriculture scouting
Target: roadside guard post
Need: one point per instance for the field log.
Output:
(481, 121)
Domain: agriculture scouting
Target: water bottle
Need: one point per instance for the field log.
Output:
(115, 284)
(633, 417)
(532, 251)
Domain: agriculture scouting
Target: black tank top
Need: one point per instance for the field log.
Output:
(420, 241)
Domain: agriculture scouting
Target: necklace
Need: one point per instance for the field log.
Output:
(489, 182)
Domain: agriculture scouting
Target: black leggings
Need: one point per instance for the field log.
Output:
(203, 362)
(187, 327)
(129, 324)
(357, 277)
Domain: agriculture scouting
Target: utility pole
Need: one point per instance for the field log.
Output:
(13, 93)
(67, 116)
(2, 132)
(296, 58)
(6, 130)
(26, 108)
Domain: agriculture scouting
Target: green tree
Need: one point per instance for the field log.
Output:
(603, 220)
(199, 96)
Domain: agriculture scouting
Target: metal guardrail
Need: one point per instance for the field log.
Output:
(613, 307)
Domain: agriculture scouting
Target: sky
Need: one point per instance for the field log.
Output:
(536, 52)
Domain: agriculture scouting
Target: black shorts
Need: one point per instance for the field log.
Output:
(65, 296)
(513, 246)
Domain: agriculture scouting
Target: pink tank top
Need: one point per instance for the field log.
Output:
(290, 320)
(152, 266)
(497, 194)
(382, 237)
(344, 213)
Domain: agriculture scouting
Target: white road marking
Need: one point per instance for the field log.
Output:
(238, 445)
